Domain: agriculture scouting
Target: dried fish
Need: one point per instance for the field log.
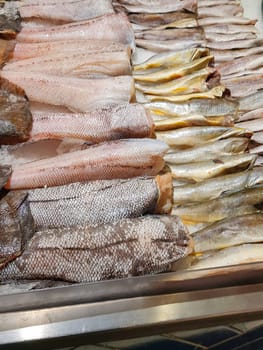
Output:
(149, 20)
(258, 137)
(235, 44)
(244, 85)
(195, 136)
(5, 172)
(129, 247)
(238, 65)
(253, 125)
(211, 150)
(203, 170)
(169, 45)
(100, 202)
(195, 33)
(226, 20)
(81, 95)
(223, 28)
(16, 225)
(15, 116)
(229, 55)
(108, 160)
(255, 100)
(221, 10)
(217, 187)
(243, 254)
(230, 232)
(254, 114)
(218, 37)
(10, 21)
(236, 204)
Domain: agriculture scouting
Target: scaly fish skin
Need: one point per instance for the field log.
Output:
(92, 253)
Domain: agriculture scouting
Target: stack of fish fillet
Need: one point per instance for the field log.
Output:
(79, 168)
(217, 190)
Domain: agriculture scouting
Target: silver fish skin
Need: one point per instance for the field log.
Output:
(211, 150)
(91, 253)
(100, 202)
(229, 232)
(242, 254)
(16, 225)
(217, 187)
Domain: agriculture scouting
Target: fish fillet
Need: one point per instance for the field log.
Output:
(81, 95)
(92, 253)
(110, 123)
(100, 202)
(109, 160)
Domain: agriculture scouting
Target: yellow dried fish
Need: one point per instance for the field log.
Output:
(167, 74)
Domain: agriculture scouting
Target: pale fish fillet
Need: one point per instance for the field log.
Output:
(169, 59)
(110, 123)
(253, 125)
(215, 92)
(166, 74)
(192, 120)
(100, 202)
(194, 82)
(257, 150)
(194, 136)
(158, 6)
(230, 232)
(236, 204)
(111, 27)
(92, 253)
(30, 151)
(254, 114)
(206, 3)
(206, 107)
(151, 20)
(243, 254)
(259, 161)
(105, 161)
(230, 28)
(245, 85)
(240, 64)
(195, 33)
(258, 137)
(217, 37)
(235, 44)
(254, 101)
(225, 20)
(29, 50)
(229, 55)
(201, 171)
(81, 95)
(211, 150)
(169, 45)
(220, 10)
(76, 64)
(219, 186)
(67, 11)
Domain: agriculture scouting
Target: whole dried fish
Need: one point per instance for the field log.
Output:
(236, 204)
(243, 254)
(77, 94)
(170, 59)
(80, 64)
(111, 27)
(5, 172)
(229, 55)
(110, 123)
(211, 150)
(108, 160)
(15, 116)
(166, 74)
(195, 136)
(203, 170)
(129, 247)
(230, 232)
(244, 85)
(253, 125)
(206, 107)
(16, 225)
(219, 186)
(100, 202)
(238, 65)
(66, 10)
(254, 114)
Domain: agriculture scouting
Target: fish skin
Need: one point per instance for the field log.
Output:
(230, 28)
(15, 116)
(110, 123)
(201, 171)
(229, 55)
(240, 64)
(6, 50)
(167, 74)
(236, 204)
(100, 202)
(220, 10)
(235, 44)
(206, 3)
(78, 95)
(230, 232)
(104, 161)
(129, 247)
(243, 86)
(217, 37)
(30, 50)
(111, 27)
(206, 107)
(258, 137)
(250, 115)
(255, 100)
(217, 187)
(211, 150)
(80, 64)
(169, 45)
(16, 225)
(170, 59)
(237, 255)
(5, 172)
(196, 33)
(66, 11)
(225, 20)
(253, 125)
(197, 135)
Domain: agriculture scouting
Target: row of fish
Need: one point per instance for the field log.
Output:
(216, 186)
